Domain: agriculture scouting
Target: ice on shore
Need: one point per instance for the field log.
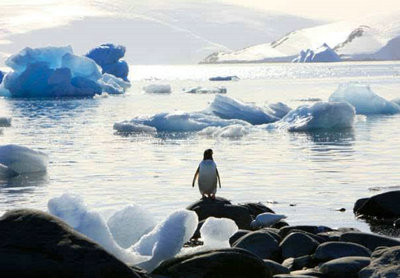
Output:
(51, 72)
(364, 100)
(323, 54)
(266, 219)
(320, 115)
(216, 232)
(5, 122)
(175, 122)
(18, 160)
(129, 224)
(230, 108)
(108, 56)
(164, 241)
(157, 89)
(203, 90)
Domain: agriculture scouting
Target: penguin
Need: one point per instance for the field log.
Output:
(208, 176)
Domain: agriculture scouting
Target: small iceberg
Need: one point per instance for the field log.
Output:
(224, 78)
(157, 89)
(323, 54)
(266, 219)
(230, 108)
(18, 160)
(55, 72)
(202, 90)
(364, 100)
(5, 122)
(320, 115)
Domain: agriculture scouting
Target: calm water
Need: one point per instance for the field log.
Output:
(316, 172)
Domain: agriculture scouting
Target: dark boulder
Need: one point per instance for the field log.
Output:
(272, 232)
(370, 241)
(293, 276)
(284, 231)
(300, 263)
(36, 244)
(237, 235)
(256, 208)
(298, 245)
(276, 268)
(222, 208)
(261, 244)
(333, 250)
(309, 272)
(358, 204)
(386, 265)
(230, 263)
(280, 224)
(344, 267)
(385, 205)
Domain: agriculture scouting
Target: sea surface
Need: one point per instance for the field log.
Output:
(306, 176)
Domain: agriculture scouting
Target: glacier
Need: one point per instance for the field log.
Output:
(20, 160)
(55, 72)
(320, 115)
(164, 241)
(108, 56)
(323, 54)
(364, 100)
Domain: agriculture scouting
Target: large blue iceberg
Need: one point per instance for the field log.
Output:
(55, 72)
(1, 76)
(108, 56)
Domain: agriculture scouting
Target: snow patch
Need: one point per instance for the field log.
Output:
(323, 54)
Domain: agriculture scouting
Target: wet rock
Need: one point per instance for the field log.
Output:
(331, 236)
(280, 224)
(397, 223)
(237, 235)
(229, 263)
(256, 208)
(276, 268)
(333, 250)
(344, 267)
(298, 245)
(222, 208)
(385, 205)
(293, 276)
(308, 272)
(261, 244)
(358, 204)
(36, 244)
(386, 265)
(370, 241)
(299, 263)
(272, 232)
(310, 229)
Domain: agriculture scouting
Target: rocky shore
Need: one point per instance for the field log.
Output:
(36, 244)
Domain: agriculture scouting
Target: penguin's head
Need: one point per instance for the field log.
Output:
(208, 154)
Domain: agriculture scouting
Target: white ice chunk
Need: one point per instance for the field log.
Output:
(113, 85)
(320, 115)
(129, 224)
(278, 109)
(157, 89)
(322, 54)
(5, 122)
(167, 238)
(23, 160)
(127, 127)
(364, 100)
(229, 108)
(266, 219)
(231, 131)
(203, 90)
(216, 232)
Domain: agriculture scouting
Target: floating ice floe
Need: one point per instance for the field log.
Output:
(320, 115)
(19, 160)
(232, 131)
(175, 122)
(50, 72)
(164, 241)
(230, 108)
(224, 78)
(130, 127)
(322, 54)
(279, 109)
(266, 220)
(157, 89)
(364, 100)
(202, 90)
(5, 122)
(108, 56)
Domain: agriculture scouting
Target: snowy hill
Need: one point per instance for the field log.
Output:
(370, 38)
(154, 32)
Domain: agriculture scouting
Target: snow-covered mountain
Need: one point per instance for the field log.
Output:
(153, 31)
(369, 38)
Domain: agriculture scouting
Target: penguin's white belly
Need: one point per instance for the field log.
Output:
(208, 177)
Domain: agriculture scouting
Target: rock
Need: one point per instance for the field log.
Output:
(293, 276)
(331, 236)
(387, 265)
(310, 229)
(298, 245)
(272, 232)
(358, 204)
(280, 224)
(232, 263)
(333, 250)
(256, 208)
(379, 251)
(276, 268)
(370, 241)
(197, 234)
(222, 208)
(261, 244)
(318, 238)
(299, 263)
(36, 244)
(385, 205)
(237, 235)
(308, 272)
(344, 267)
(397, 223)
